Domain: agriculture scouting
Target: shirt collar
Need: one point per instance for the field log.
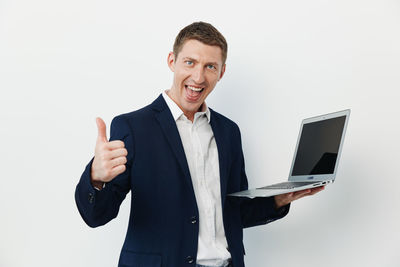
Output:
(177, 112)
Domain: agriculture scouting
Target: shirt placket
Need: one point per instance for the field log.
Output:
(200, 170)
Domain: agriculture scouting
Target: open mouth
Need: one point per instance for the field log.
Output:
(193, 92)
(194, 88)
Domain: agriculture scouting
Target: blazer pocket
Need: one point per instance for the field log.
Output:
(133, 259)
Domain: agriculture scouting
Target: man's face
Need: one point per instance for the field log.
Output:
(197, 69)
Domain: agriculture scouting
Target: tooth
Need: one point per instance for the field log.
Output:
(194, 88)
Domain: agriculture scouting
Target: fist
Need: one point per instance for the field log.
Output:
(109, 158)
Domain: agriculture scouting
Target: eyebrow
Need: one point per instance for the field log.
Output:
(194, 60)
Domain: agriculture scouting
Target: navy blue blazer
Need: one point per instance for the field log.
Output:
(163, 225)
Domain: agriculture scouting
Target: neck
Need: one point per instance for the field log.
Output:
(188, 114)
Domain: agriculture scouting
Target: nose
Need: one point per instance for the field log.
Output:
(198, 75)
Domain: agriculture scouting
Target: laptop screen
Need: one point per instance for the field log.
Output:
(318, 147)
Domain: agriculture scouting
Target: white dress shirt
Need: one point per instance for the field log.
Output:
(202, 157)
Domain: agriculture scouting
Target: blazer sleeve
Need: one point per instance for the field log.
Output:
(97, 207)
(259, 210)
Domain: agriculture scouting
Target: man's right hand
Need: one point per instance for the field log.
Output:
(109, 159)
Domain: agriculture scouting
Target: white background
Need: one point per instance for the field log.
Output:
(62, 63)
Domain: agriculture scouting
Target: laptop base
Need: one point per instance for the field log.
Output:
(265, 192)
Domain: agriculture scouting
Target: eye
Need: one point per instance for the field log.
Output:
(211, 67)
(189, 63)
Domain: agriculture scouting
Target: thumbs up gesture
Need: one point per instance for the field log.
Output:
(109, 159)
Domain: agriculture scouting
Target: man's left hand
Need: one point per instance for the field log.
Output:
(284, 199)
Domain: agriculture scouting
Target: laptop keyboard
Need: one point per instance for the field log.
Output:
(287, 185)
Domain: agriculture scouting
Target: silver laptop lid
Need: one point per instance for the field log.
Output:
(318, 147)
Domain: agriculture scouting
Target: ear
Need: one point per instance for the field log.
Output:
(222, 72)
(171, 61)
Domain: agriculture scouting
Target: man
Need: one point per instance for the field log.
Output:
(179, 159)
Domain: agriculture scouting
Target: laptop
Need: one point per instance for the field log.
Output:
(316, 157)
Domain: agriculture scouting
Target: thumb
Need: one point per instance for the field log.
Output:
(101, 130)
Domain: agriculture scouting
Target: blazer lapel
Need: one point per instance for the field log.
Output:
(222, 153)
(168, 126)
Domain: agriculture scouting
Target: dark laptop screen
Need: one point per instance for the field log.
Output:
(318, 147)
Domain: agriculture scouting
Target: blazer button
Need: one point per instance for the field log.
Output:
(189, 259)
(91, 198)
(193, 219)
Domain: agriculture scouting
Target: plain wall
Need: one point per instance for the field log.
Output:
(62, 63)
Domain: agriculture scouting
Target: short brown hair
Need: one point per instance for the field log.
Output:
(203, 32)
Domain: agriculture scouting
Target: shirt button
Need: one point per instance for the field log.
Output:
(193, 219)
(189, 259)
(91, 198)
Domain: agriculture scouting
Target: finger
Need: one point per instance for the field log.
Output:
(309, 192)
(316, 190)
(118, 161)
(117, 170)
(101, 130)
(112, 154)
(120, 152)
(115, 144)
(300, 194)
